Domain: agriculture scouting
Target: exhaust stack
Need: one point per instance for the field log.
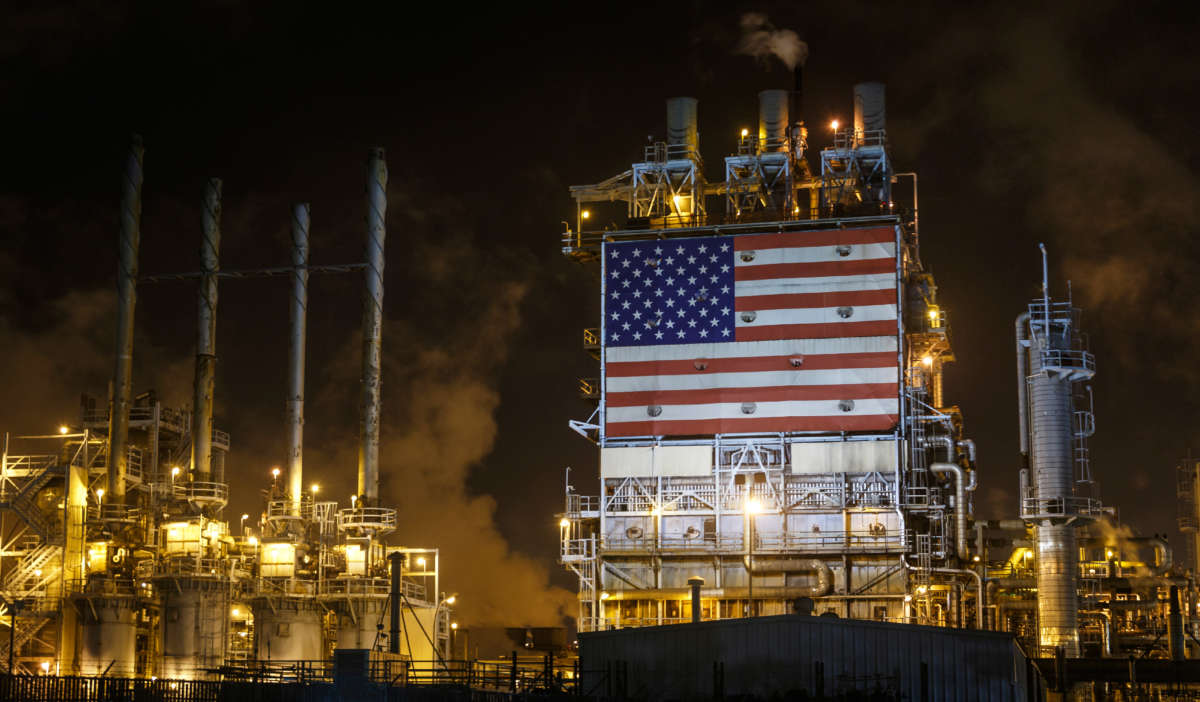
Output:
(296, 349)
(773, 120)
(127, 272)
(206, 332)
(681, 123)
(368, 455)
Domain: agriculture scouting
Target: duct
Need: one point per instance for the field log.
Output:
(870, 109)
(960, 506)
(1175, 627)
(1105, 630)
(368, 456)
(793, 565)
(681, 123)
(969, 445)
(298, 320)
(127, 272)
(206, 331)
(981, 593)
(772, 120)
(1022, 381)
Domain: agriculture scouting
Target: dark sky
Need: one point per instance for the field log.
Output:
(1071, 125)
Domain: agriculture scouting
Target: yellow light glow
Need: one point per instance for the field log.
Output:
(753, 506)
(745, 132)
(604, 595)
(451, 599)
(453, 625)
(245, 517)
(933, 315)
(37, 573)
(1108, 553)
(927, 360)
(46, 664)
(253, 541)
(834, 125)
(315, 488)
(585, 214)
(564, 522)
(274, 472)
(921, 590)
(174, 471)
(99, 494)
(242, 634)
(64, 429)
(421, 561)
(976, 559)
(353, 500)
(237, 612)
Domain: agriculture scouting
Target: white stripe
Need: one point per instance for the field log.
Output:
(753, 379)
(733, 410)
(751, 349)
(817, 315)
(815, 254)
(823, 284)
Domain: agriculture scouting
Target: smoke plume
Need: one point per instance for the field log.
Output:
(762, 40)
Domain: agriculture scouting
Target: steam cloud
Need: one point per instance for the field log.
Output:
(761, 40)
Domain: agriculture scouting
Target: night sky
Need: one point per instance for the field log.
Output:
(1071, 125)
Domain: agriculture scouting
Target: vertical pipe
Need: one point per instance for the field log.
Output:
(297, 331)
(127, 271)
(368, 455)
(397, 560)
(1175, 627)
(696, 583)
(1022, 385)
(206, 332)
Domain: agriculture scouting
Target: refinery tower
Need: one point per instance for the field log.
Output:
(772, 429)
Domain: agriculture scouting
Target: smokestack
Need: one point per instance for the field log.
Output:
(206, 332)
(772, 120)
(397, 560)
(797, 106)
(368, 455)
(870, 109)
(297, 332)
(681, 123)
(127, 272)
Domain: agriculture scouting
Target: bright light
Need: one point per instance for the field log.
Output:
(927, 360)
(315, 488)
(46, 664)
(908, 598)
(237, 612)
(61, 430)
(245, 517)
(242, 634)
(677, 198)
(1028, 554)
(353, 501)
(834, 125)
(921, 590)
(153, 678)
(585, 214)
(99, 494)
(451, 599)
(274, 472)
(976, 559)
(37, 573)
(604, 595)
(253, 541)
(753, 506)
(421, 561)
(1108, 553)
(745, 132)
(453, 625)
(175, 471)
(933, 315)
(564, 522)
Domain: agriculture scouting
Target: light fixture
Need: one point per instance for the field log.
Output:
(585, 214)
(275, 472)
(927, 360)
(834, 125)
(99, 494)
(174, 471)
(453, 625)
(976, 559)
(253, 541)
(604, 595)
(564, 522)
(315, 488)
(745, 132)
(421, 561)
(753, 506)
(61, 430)
(237, 612)
(451, 599)
(46, 664)
(353, 501)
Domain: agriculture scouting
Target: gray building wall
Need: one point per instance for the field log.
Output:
(764, 656)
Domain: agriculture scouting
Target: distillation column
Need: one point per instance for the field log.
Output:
(368, 455)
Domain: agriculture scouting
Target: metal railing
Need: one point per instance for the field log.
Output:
(851, 138)
(1033, 507)
(773, 544)
(577, 504)
(660, 152)
(378, 518)
(1058, 359)
(201, 492)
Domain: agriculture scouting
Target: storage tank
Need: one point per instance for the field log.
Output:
(108, 636)
(287, 629)
(359, 621)
(194, 627)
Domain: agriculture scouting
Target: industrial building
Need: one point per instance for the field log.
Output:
(771, 421)
(117, 556)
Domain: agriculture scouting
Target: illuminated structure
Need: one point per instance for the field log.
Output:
(117, 558)
(803, 456)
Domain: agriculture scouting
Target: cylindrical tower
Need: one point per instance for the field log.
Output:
(368, 454)
(195, 627)
(206, 343)
(297, 331)
(773, 120)
(681, 123)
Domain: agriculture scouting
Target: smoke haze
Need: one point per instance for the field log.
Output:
(761, 40)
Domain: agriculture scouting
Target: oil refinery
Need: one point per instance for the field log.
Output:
(118, 559)
(773, 432)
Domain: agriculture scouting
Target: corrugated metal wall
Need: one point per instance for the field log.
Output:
(766, 656)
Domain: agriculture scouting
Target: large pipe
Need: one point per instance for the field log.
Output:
(1175, 627)
(681, 123)
(297, 330)
(1021, 325)
(127, 272)
(368, 454)
(696, 582)
(772, 120)
(960, 506)
(206, 332)
(397, 561)
(981, 593)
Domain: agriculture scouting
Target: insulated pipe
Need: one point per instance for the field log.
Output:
(127, 272)
(1022, 381)
(206, 336)
(960, 506)
(368, 453)
(297, 330)
(793, 565)
(981, 593)
(1175, 627)
(696, 583)
(397, 562)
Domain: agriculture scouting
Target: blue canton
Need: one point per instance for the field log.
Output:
(677, 291)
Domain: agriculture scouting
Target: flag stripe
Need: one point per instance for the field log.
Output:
(852, 298)
(815, 254)
(817, 284)
(831, 237)
(816, 331)
(781, 393)
(752, 363)
(617, 355)
(793, 270)
(702, 427)
(704, 381)
(816, 315)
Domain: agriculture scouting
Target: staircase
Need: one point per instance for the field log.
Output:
(29, 577)
(22, 502)
(28, 627)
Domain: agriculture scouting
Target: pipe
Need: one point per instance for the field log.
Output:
(696, 583)
(1022, 382)
(960, 506)
(791, 565)
(298, 320)
(368, 455)
(969, 445)
(981, 593)
(206, 332)
(127, 272)
(396, 558)
(1175, 627)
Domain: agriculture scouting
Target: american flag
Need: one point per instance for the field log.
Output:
(788, 332)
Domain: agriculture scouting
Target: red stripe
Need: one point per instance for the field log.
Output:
(770, 271)
(853, 298)
(700, 427)
(822, 330)
(828, 361)
(825, 237)
(784, 393)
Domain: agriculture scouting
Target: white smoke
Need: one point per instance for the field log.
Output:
(760, 39)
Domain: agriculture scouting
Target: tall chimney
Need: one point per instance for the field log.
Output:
(681, 123)
(127, 272)
(772, 120)
(298, 327)
(368, 453)
(206, 332)
(797, 105)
